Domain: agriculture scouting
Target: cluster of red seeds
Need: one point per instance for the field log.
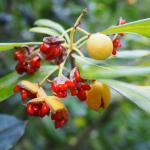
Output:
(77, 85)
(60, 118)
(40, 108)
(116, 41)
(53, 49)
(33, 108)
(26, 63)
(37, 109)
(24, 93)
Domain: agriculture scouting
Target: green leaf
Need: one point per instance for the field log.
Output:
(139, 27)
(51, 24)
(139, 95)
(91, 71)
(8, 81)
(9, 46)
(44, 30)
(6, 85)
(131, 54)
(11, 130)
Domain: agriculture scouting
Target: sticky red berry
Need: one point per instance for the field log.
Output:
(45, 109)
(73, 92)
(77, 76)
(81, 95)
(122, 21)
(35, 108)
(121, 34)
(114, 51)
(62, 94)
(70, 84)
(60, 118)
(86, 87)
(44, 47)
(19, 55)
(24, 94)
(16, 88)
(54, 87)
(19, 68)
(35, 62)
(29, 109)
(62, 87)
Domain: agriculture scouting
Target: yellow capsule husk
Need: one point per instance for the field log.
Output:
(55, 104)
(33, 87)
(94, 96)
(106, 95)
(98, 96)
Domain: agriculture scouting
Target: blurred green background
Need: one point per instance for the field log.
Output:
(127, 127)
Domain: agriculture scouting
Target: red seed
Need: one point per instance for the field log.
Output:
(62, 94)
(20, 56)
(24, 94)
(77, 76)
(44, 48)
(45, 109)
(73, 92)
(86, 87)
(117, 40)
(121, 34)
(62, 87)
(29, 109)
(53, 116)
(122, 21)
(70, 84)
(16, 88)
(36, 108)
(114, 51)
(81, 95)
(19, 68)
(35, 62)
(54, 87)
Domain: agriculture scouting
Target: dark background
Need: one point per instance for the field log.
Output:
(127, 127)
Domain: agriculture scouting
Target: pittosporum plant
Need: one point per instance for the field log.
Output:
(69, 72)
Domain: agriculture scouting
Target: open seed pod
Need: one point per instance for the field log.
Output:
(98, 96)
(33, 87)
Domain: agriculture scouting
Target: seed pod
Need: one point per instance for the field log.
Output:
(99, 46)
(33, 87)
(98, 96)
(54, 103)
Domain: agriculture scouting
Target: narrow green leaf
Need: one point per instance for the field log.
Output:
(131, 54)
(8, 81)
(9, 46)
(6, 85)
(44, 30)
(139, 95)
(89, 70)
(51, 24)
(11, 130)
(139, 27)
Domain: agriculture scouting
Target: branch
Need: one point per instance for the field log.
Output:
(100, 121)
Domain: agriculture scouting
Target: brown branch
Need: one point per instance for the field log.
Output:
(100, 121)
(72, 60)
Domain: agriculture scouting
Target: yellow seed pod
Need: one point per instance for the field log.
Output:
(55, 104)
(94, 96)
(98, 96)
(105, 94)
(33, 87)
(99, 46)
(41, 92)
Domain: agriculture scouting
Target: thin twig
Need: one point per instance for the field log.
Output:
(100, 121)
